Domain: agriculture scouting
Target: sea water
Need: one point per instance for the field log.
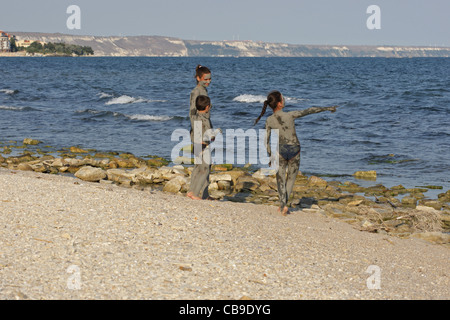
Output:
(393, 116)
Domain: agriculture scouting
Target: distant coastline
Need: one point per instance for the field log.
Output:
(159, 46)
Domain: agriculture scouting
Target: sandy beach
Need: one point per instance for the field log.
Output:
(64, 238)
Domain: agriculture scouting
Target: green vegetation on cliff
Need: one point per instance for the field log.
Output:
(58, 49)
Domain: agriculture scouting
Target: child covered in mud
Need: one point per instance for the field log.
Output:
(202, 134)
(288, 144)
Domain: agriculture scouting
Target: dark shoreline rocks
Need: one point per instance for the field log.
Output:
(372, 209)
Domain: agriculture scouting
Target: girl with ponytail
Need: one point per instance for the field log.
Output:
(288, 144)
(203, 77)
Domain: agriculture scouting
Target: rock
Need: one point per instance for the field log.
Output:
(434, 237)
(220, 177)
(443, 197)
(24, 167)
(73, 162)
(222, 167)
(20, 159)
(224, 185)
(77, 150)
(92, 174)
(355, 203)
(158, 162)
(213, 186)
(367, 175)
(121, 176)
(30, 141)
(175, 185)
(148, 176)
(247, 183)
(431, 203)
(181, 160)
(317, 182)
(351, 187)
(409, 201)
(236, 174)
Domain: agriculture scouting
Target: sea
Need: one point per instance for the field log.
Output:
(393, 115)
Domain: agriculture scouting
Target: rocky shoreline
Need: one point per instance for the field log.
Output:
(397, 211)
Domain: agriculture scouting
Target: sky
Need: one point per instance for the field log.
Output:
(317, 22)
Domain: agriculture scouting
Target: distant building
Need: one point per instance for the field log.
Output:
(5, 44)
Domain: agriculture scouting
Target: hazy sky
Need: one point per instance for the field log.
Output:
(403, 22)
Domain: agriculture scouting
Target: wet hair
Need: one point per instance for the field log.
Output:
(201, 70)
(202, 102)
(272, 101)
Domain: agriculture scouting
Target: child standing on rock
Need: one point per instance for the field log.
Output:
(288, 144)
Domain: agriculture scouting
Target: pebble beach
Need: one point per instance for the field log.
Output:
(65, 238)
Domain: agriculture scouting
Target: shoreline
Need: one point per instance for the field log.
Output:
(397, 211)
(127, 243)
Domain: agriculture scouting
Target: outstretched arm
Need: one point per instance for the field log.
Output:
(312, 110)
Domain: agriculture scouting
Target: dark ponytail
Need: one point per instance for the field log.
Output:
(266, 103)
(272, 101)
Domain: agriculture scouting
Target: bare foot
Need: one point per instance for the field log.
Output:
(285, 211)
(192, 196)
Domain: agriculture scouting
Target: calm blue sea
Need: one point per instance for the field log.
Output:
(394, 115)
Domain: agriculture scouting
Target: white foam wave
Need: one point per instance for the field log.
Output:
(251, 98)
(8, 91)
(146, 117)
(12, 108)
(124, 99)
(103, 95)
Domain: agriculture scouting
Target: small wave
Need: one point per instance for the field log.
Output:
(250, 98)
(8, 91)
(137, 117)
(17, 108)
(146, 117)
(124, 99)
(103, 95)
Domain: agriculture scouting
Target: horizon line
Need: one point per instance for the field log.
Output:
(260, 41)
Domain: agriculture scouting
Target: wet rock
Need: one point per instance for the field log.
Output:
(366, 175)
(443, 197)
(376, 190)
(409, 201)
(157, 162)
(29, 141)
(222, 167)
(77, 150)
(91, 174)
(20, 159)
(351, 187)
